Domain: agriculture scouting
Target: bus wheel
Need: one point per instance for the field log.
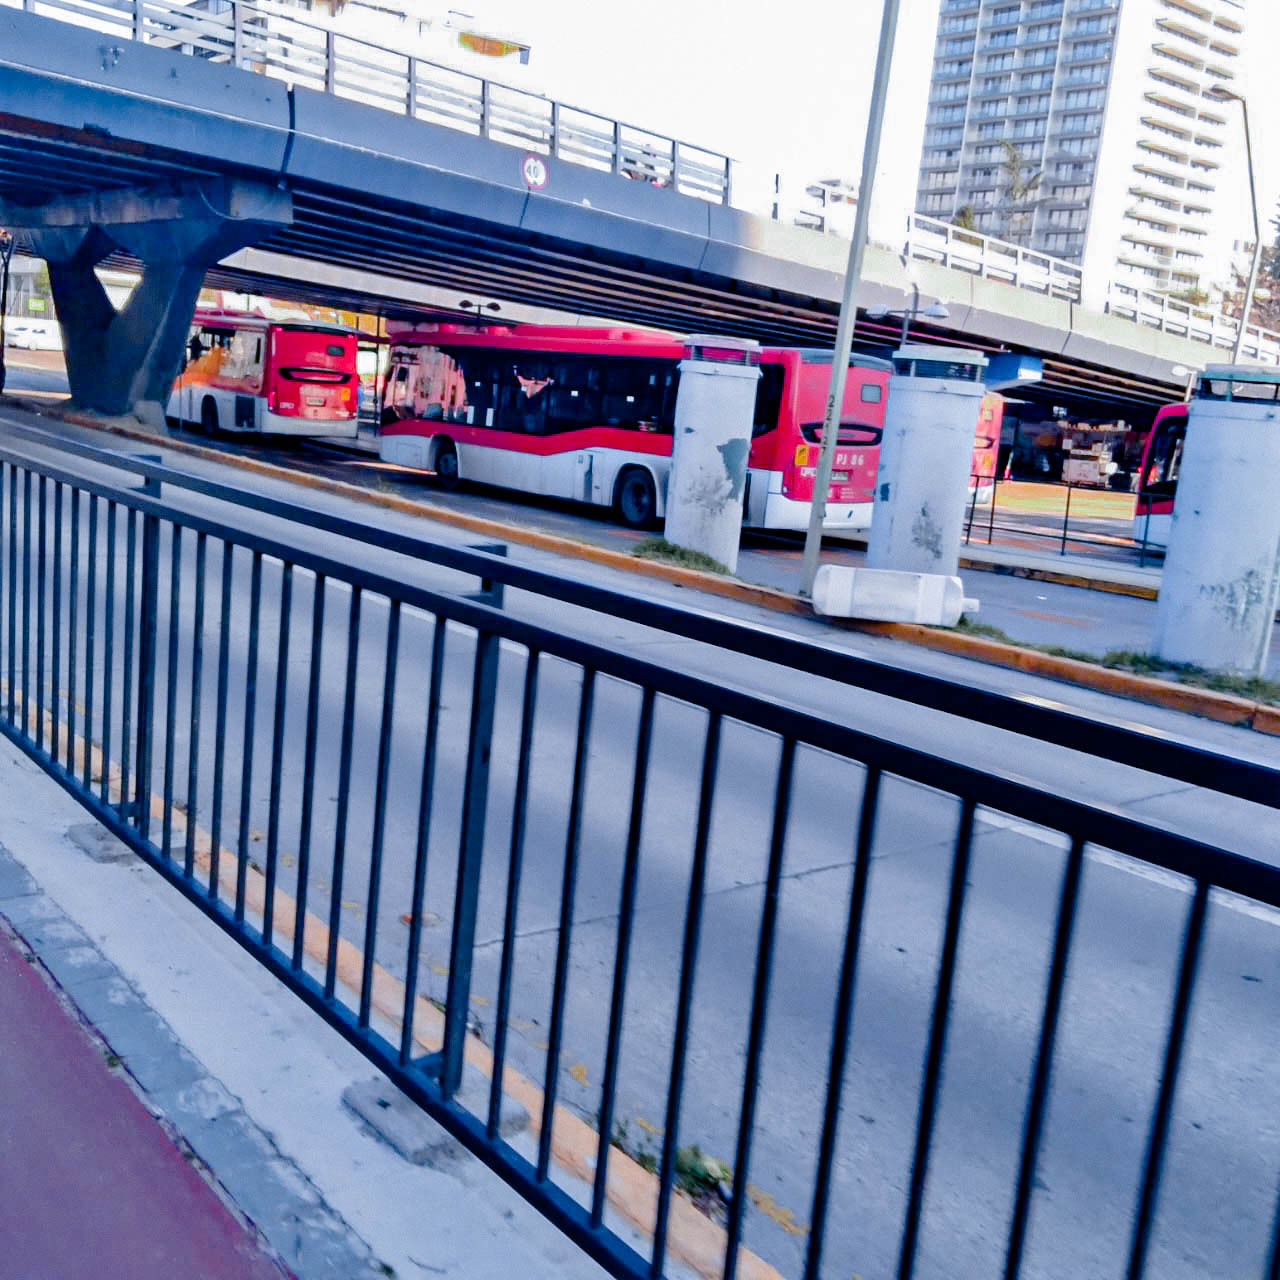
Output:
(209, 416)
(446, 467)
(635, 500)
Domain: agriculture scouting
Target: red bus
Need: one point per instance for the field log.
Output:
(588, 414)
(247, 373)
(1158, 476)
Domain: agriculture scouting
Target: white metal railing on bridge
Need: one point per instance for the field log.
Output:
(930, 240)
(1187, 320)
(261, 38)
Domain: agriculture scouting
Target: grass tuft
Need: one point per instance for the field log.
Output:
(1257, 688)
(669, 553)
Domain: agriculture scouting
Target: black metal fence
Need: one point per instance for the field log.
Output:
(790, 940)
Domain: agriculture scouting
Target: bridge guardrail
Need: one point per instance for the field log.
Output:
(127, 623)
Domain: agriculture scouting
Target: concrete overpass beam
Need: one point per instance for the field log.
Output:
(125, 362)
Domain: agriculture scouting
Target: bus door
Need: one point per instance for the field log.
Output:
(1158, 480)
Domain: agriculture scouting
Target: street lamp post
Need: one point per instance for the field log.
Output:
(1223, 94)
(849, 302)
(934, 311)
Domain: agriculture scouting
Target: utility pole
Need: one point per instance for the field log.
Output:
(849, 302)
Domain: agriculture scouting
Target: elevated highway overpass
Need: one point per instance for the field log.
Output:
(339, 172)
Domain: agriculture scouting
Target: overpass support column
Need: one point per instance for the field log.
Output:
(125, 362)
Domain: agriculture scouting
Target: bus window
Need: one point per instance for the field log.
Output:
(768, 398)
(1161, 476)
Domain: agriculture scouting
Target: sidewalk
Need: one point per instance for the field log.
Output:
(90, 1183)
(270, 1174)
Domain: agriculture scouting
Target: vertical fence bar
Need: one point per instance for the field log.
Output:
(1038, 1101)
(470, 855)
(55, 691)
(425, 797)
(344, 794)
(108, 648)
(684, 1003)
(759, 1005)
(1066, 519)
(330, 63)
(171, 692)
(842, 1022)
(617, 147)
(973, 506)
(514, 869)
(309, 768)
(555, 130)
(220, 719)
(485, 108)
(148, 647)
(41, 573)
(250, 710)
(73, 620)
(237, 33)
(622, 955)
(13, 593)
(90, 619)
(379, 810)
(26, 603)
(1154, 1162)
(197, 699)
(277, 754)
(568, 892)
(126, 700)
(936, 1054)
(7, 533)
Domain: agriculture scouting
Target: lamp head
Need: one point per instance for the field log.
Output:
(879, 313)
(936, 311)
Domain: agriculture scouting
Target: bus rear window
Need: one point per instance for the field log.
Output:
(850, 433)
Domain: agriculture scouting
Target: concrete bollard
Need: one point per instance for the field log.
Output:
(1221, 575)
(714, 411)
(887, 595)
(926, 456)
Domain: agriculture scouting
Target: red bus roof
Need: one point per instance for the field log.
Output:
(586, 340)
(212, 318)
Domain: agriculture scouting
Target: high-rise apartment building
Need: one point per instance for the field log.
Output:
(1088, 129)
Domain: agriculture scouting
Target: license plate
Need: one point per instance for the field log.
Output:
(839, 477)
(317, 400)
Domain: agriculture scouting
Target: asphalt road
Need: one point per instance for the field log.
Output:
(1219, 1192)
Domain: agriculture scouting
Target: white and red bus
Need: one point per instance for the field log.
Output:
(588, 414)
(247, 373)
(1158, 476)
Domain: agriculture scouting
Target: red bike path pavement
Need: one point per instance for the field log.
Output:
(91, 1186)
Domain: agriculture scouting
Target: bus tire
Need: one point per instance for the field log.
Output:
(635, 500)
(445, 464)
(209, 416)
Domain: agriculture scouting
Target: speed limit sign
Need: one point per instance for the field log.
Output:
(535, 172)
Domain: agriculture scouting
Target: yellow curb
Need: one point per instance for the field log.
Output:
(1062, 578)
(1223, 707)
(692, 1238)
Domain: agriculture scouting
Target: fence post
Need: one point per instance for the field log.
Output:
(484, 108)
(475, 799)
(139, 19)
(330, 69)
(617, 147)
(727, 188)
(237, 33)
(147, 608)
(411, 95)
(1066, 517)
(555, 130)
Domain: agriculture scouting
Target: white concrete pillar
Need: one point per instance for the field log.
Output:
(1222, 570)
(926, 456)
(715, 408)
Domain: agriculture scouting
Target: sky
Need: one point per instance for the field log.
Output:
(781, 85)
